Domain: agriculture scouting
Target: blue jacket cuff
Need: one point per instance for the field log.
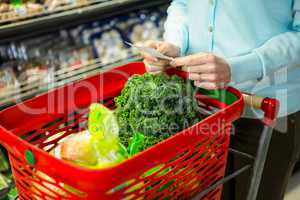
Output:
(245, 68)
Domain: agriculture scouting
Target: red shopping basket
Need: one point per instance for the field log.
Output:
(177, 168)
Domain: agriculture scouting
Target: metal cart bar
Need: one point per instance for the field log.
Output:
(259, 163)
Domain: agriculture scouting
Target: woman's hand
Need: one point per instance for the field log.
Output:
(155, 65)
(207, 70)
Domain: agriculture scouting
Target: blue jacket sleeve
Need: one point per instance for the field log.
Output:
(280, 51)
(176, 28)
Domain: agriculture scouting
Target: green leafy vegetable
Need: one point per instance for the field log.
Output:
(136, 144)
(12, 195)
(156, 105)
(4, 166)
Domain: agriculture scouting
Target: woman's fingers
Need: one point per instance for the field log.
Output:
(150, 58)
(153, 67)
(169, 49)
(151, 44)
(210, 77)
(205, 68)
(159, 62)
(192, 60)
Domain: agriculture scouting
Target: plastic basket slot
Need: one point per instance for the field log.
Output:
(179, 157)
(27, 134)
(36, 137)
(125, 185)
(207, 175)
(204, 166)
(43, 190)
(22, 186)
(53, 124)
(153, 171)
(48, 147)
(52, 187)
(202, 180)
(189, 171)
(71, 190)
(58, 136)
(157, 187)
(21, 172)
(22, 194)
(206, 183)
(187, 152)
(187, 188)
(185, 166)
(13, 158)
(69, 125)
(212, 195)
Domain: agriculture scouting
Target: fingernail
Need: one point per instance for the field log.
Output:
(173, 63)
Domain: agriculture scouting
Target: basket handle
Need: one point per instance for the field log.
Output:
(269, 106)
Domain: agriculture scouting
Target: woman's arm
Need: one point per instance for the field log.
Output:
(176, 28)
(280, 51)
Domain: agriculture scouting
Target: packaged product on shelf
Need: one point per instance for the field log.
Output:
(33, 72)
(109, 46)
(145, 29)
(11, 10)
(8, 81)
(87, 32)
(33, 8)
(75, 56)
(85, 54)
(76, 33)
(4, 7)
(53, 4)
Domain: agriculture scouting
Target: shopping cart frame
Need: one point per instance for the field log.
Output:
(270, 107)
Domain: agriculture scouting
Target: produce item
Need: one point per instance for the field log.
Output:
(12, 194)
(4, 166)
(156, 105)
(97, 147)
(3, 182)
(5, 175)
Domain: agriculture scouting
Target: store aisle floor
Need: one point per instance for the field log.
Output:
(293, 191)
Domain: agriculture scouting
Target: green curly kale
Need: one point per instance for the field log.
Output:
(156, 105)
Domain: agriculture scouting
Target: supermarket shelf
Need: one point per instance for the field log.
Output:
(66, 16)
(13, 15)
(61, 77)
